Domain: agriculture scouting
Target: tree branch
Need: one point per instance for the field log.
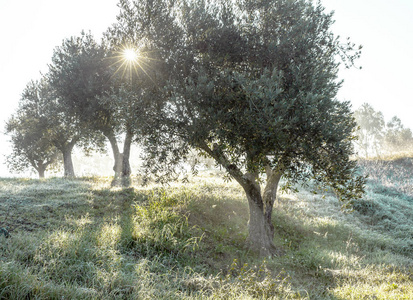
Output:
(217, 154)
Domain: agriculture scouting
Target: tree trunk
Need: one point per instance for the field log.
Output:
(41, 170)
(260, 234)
(122, 165)
(270, 194)
(117, 156)
(39, 167)
(126, 170)
(69, 171)
(260, 228)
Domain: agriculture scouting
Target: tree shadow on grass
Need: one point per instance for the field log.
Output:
(79, 246)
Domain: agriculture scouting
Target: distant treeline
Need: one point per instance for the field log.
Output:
(376, 137)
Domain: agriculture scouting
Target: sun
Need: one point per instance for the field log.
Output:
(131, 59)
(130, 54)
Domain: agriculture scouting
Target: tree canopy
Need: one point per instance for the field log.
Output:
(370, 132)
(30, 133)
(253, 85)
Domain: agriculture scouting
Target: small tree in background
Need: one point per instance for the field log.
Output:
(376, 138)
(370, 131)
(64, 131)
(397, 137)
(251, 84)
(30, 134)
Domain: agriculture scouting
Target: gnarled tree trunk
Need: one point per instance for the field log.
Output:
(117, 156)
(270, 194)
(122, 165)
(260, 227)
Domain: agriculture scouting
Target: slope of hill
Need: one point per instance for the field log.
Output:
(82, 239)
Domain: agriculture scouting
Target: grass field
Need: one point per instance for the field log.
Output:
(83, 239)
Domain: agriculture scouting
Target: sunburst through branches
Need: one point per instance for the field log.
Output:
(130, 55)
(130, 59)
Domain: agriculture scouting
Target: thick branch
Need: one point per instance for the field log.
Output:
(217, 154)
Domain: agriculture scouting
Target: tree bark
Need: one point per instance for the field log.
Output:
(126, 169)
(260, 228)
(260, 233)
(270, 194)
(122, 165)
(117, 156)
(41, 170)
(69, 171)
(39, 167)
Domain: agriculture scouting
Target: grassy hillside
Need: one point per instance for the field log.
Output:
(83, 239)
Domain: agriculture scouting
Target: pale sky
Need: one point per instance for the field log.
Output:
(31, 29)
(385, 29)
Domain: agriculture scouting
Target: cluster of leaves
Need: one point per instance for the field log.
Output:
(253, 85)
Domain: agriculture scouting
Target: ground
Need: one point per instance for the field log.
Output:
(83, 239)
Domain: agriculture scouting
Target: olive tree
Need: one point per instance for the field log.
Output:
(64, 131)
(138, 69)
(79, 75)
(30, 133)
(253, 85)
(46, 124)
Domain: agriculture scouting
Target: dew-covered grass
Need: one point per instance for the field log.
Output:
(84, 239)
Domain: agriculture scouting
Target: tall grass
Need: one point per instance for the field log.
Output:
(83, 239)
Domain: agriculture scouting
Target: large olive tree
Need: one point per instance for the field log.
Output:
(253, 85)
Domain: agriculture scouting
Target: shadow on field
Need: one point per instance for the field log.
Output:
(30, 205)
(27, 205)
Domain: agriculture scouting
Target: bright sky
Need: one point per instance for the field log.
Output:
(385, 29)
(30, 30)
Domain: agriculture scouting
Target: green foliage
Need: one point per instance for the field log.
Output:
(258, 282)
(46, 128)
(32, 146)
(388, 204)
(77, 75)
(397, 138)
(161, 228)
(245, 87)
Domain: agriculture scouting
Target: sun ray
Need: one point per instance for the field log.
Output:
(131, 60)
